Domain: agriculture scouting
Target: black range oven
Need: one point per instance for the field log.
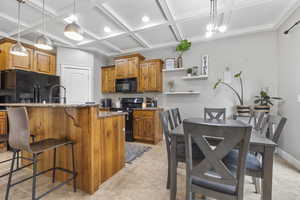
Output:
(128, 85)
(128, 105)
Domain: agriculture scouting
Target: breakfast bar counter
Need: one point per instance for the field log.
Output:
(99, 140)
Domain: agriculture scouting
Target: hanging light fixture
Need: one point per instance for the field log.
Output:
(42, 41)
(73, 30)
(18, 49)
(215, 26)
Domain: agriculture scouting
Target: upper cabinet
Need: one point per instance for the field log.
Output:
(151, 75)
(44, 63)
(36, 61)
(108, 75)
(128, 66)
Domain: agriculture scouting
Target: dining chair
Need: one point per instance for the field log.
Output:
(215, 113)
(170, 120)
(211, 177)
(19, 140)
(271, 127)
(180, 151)
(176, 117)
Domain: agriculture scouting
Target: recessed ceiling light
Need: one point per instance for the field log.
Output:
(107, 29)
(145, 19)
(223, 28)
(71, 18)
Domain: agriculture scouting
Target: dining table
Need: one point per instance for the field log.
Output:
(258, 143)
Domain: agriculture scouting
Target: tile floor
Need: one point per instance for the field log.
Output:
(145, 179)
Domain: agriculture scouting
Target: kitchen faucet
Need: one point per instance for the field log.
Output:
(51, 93)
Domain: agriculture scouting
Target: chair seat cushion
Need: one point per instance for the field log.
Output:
(219, 187)
(252, 162)
(48, 144)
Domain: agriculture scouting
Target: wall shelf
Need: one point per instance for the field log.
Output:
(173, 70)
(181, 93)
(195, 77)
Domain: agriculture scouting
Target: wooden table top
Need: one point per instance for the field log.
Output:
(256, 138)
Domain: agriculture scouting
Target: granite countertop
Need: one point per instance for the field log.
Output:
(54, 105)
(150, 108)
(110, 114)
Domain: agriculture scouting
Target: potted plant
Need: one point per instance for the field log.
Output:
(183, 46)
(242, 110)
(189, 72)
(264, 102)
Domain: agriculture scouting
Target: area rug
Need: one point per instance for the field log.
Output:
(134, 151)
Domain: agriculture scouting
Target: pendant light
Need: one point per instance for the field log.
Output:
(73, 30)
(42, 41)
(18, 49)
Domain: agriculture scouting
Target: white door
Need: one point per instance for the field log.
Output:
(77, 82)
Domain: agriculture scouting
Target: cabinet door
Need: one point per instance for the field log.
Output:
(133, 67)
(44, 63)
(121, 68)
(144, 77)
(21, 62)
(111, 79)
(105, 83)
(3, 129)
(148, 129)
(138, 128)
(152, 77)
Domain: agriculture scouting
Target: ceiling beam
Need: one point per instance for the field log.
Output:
(114, 17)
(165, 9)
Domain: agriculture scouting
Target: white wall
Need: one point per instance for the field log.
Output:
(85, 59)
(289, 84)
(256, 55)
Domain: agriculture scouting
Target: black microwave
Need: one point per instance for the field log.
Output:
(128, 85)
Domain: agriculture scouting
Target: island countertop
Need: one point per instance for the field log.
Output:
(54, 105)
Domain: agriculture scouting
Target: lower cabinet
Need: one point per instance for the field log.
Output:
(147, 126)
(3, 128)
(112, 145)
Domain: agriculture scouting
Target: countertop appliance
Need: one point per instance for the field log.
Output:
(128, 85)
(19, 86)
(106, 103)
(127, 105)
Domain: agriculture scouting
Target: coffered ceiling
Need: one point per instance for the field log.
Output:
(114, 27)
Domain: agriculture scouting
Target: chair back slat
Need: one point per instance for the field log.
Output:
(166, 126)
(176, 117)
(19, 133)
(212, 168)
(171, 123)
(273, 127)
(215, 113)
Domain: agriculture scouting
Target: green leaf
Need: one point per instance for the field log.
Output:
(238, 75)
(257, 101)
(184, 46)
(217, 83)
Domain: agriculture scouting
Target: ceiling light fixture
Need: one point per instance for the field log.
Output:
(145, 18)
(18, 49)
(107, 29)
(73, 30)
(42, 41)
(215, 26)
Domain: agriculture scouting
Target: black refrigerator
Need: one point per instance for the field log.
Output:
(19, 86)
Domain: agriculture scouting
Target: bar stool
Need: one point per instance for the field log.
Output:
(19, 137)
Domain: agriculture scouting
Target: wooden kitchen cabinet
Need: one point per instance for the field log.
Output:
(44, 63)
(151, 75)
(3, 128)
(108, 79)
(147, 126)
(128, 66)
(37, 60)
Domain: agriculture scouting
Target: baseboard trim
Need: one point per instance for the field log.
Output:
(289, 158)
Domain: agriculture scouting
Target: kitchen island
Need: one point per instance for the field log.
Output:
(99, 140)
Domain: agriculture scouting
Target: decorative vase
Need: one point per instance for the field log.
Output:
(243, 111)
(262, 108)
(179, 62)
(189, 75)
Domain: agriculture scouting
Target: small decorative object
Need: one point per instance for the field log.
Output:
(171, 85)
(170, 63)
(195, 71)
(182, 47)
(264, 102)
(227, 75)
(242, 109)
(189, 72)
(204, 68)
